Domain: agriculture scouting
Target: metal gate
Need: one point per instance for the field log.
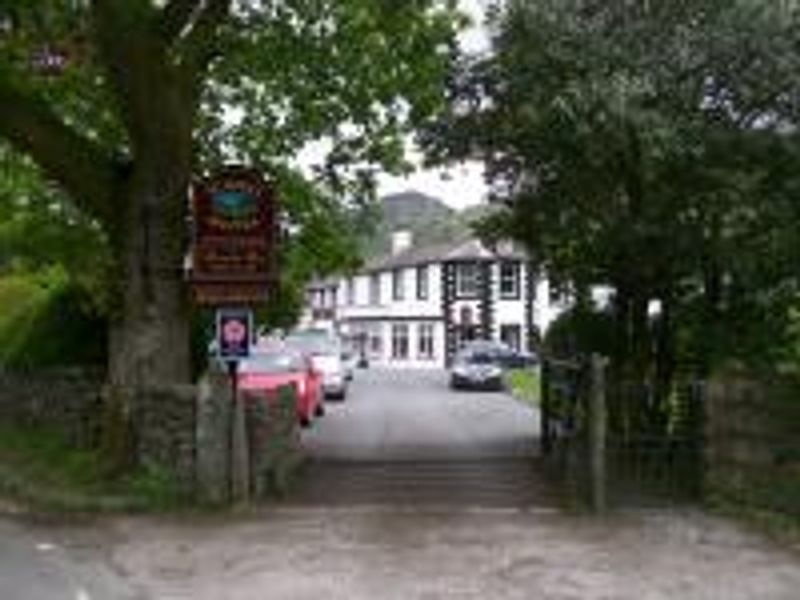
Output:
(607, 441)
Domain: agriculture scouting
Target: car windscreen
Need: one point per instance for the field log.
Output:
(477, 358)
(271, 363)
(313, 344)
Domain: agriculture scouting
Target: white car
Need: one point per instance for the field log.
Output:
(326, 357)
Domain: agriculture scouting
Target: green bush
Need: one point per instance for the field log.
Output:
(580, 331)
(49, 322)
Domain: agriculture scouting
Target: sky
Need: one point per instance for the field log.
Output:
(462, 185)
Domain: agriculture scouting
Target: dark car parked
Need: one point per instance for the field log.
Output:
(476, 369)
(505, 355)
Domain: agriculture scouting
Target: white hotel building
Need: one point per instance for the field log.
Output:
(416, 306)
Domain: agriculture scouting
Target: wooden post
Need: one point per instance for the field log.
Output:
(597, 433)
(240, 448)
(544, 409)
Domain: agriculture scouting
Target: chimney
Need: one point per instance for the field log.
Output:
(401, 241)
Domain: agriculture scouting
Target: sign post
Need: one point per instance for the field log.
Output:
(234, 333)
(233, 269)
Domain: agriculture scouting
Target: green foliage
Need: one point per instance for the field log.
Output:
(580, 331)
(648, 147)
(41, 226)
(525, 385)
(153, 488)
(49, 322)
(149, 91)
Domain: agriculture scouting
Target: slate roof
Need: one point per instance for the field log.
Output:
(469, 249)
(464, 249)
(324, 283)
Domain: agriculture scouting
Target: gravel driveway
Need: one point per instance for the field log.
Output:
(382, 554)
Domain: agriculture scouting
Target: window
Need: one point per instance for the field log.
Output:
(467, 280)
(375, 289)
(511, 335)
(509, 280)
(400, 341)
(398, 292)
(351, 291)
(422, 282)
(425, 341)
(376, 344)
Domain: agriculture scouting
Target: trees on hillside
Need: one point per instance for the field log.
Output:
(119, 104)
(649, 146)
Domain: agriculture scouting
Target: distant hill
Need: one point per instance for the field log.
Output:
(430, 220)
(408, 209)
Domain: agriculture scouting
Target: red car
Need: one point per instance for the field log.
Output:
(267, 370)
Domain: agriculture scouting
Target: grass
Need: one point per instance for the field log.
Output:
(525, 385)
(40, 470)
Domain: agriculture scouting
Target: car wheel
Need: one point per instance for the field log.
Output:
(338, 396)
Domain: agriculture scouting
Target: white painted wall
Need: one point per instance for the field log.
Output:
(380, 317)
(388, 308)
(510, 312)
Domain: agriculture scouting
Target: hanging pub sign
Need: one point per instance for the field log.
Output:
(235, 238)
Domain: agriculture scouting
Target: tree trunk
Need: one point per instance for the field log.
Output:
(149, 341)
(150, 326)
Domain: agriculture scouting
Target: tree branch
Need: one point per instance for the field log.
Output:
(176, 16)
(77, 164)
(201, 42)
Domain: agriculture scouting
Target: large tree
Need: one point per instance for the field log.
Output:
(646, 146)
(119, 103)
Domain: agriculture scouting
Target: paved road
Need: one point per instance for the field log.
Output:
(40, 563)
(403, 438)
(413, 415)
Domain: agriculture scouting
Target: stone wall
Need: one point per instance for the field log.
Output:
(274, 442)
(74, 402)
(269, 455)
(183, 431)
(68, 400)
(164, 425)
(753, 441)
